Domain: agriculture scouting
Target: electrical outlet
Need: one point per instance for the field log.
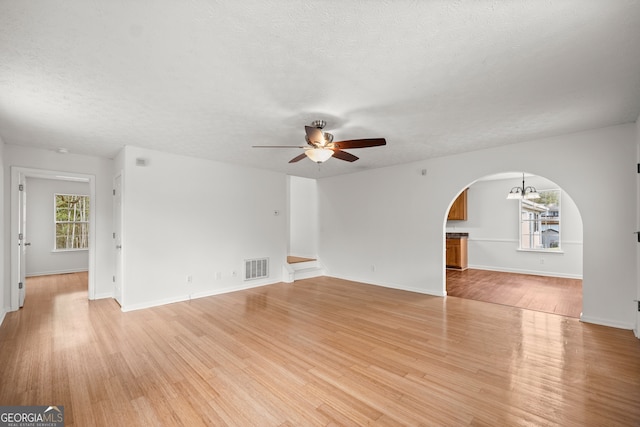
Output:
(189, 278)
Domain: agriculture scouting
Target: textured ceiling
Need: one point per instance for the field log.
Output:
(211, 78)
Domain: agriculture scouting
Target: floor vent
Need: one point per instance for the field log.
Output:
(256, 268)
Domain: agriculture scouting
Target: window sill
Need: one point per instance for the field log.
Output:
(542, 251)
(58, 251)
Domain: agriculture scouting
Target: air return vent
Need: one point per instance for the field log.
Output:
(256, 268)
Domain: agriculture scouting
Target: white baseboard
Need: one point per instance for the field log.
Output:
(3, 312)
(606, 322)
(103, 295)
(48, 273)
(196, 295)
(393, 286)
(521, 271)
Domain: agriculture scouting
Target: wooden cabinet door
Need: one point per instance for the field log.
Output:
(458, 211)
(453, 252)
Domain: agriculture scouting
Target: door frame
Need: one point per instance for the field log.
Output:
(19, 173)
(118, 219)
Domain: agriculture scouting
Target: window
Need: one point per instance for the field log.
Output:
(540, 222)
(72, 222)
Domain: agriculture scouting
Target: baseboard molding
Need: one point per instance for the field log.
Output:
(103, 296)
(49, 273)
(606, 322)
(392, 286)
(196, 295)
(3, 312)
(520, 271)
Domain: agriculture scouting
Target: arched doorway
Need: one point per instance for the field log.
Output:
(525, 253)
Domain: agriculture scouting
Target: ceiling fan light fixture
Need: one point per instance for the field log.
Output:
(319, 155)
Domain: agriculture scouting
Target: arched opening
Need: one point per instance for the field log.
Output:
(522, 252)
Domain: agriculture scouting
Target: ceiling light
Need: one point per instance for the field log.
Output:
(527, 193)
(319, 155)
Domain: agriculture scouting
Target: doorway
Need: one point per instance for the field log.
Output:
(19, 233)
(500, 270)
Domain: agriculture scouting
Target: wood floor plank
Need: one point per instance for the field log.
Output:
(317, 352)
(555, 295)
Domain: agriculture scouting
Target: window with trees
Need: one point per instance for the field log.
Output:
(71, 222)
(540, 222)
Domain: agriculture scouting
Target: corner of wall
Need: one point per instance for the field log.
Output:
(4, 277)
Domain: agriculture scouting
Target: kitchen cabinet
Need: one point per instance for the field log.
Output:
(458, 211)
(456, 251)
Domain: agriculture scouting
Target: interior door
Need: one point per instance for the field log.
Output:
(23, 243)
(117, 237)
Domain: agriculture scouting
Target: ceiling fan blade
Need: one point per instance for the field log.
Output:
(360, 143)
(278, 146)
(343, 155)
(298, 158)
(314, 135)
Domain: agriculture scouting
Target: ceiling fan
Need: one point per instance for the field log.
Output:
(321, 147)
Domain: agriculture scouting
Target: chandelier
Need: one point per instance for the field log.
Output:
(523, 192)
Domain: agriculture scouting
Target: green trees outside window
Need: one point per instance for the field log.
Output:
(72, 221)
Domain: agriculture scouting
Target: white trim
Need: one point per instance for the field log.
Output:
(521, 271)
(488, 239)
(17, 172)
(606, 322)
(3, 312)
(182, 298)
(49, 273)
(541, 251)
(389, 285)
(103, 296)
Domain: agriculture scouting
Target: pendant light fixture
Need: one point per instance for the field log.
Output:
(523, 192)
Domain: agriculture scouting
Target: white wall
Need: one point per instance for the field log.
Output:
(493, 224)
(393, 233)
(5, 295)
(102, 169)
(637, 329)
(41, 259)
(303, 217)
(191, 217)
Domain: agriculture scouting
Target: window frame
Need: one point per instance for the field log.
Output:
(539, 219)
(56, 222)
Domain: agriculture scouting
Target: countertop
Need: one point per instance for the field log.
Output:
(457, 235)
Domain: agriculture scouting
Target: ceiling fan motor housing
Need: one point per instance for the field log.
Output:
(320, 124)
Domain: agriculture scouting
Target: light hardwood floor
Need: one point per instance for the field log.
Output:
(555, 295)
(317, 352)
